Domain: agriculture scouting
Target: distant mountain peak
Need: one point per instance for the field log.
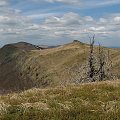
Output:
(77, 42)
(21, 46)
(74, 41)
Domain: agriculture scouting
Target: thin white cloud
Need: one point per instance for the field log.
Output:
(66, 1)
(40, 15)
(82, 4)
(86, 3)
(3, 3)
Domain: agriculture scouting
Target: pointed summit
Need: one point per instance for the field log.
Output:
(76, 41)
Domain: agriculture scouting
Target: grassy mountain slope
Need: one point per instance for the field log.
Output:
(23, 69)
(93, 101)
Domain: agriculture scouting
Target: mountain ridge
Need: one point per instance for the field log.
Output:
(23, 66)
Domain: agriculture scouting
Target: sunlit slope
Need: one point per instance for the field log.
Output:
(21, 69)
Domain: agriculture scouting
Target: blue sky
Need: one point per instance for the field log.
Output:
(54, 22)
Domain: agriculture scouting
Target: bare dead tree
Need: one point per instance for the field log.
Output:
(98, 65)
(91, 60)
(102, 62)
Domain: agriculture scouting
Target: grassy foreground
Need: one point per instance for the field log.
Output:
(92, 101)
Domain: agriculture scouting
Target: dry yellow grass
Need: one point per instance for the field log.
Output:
(88, 101)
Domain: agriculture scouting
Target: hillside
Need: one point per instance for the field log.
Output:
(23, 66)
(93, 101)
